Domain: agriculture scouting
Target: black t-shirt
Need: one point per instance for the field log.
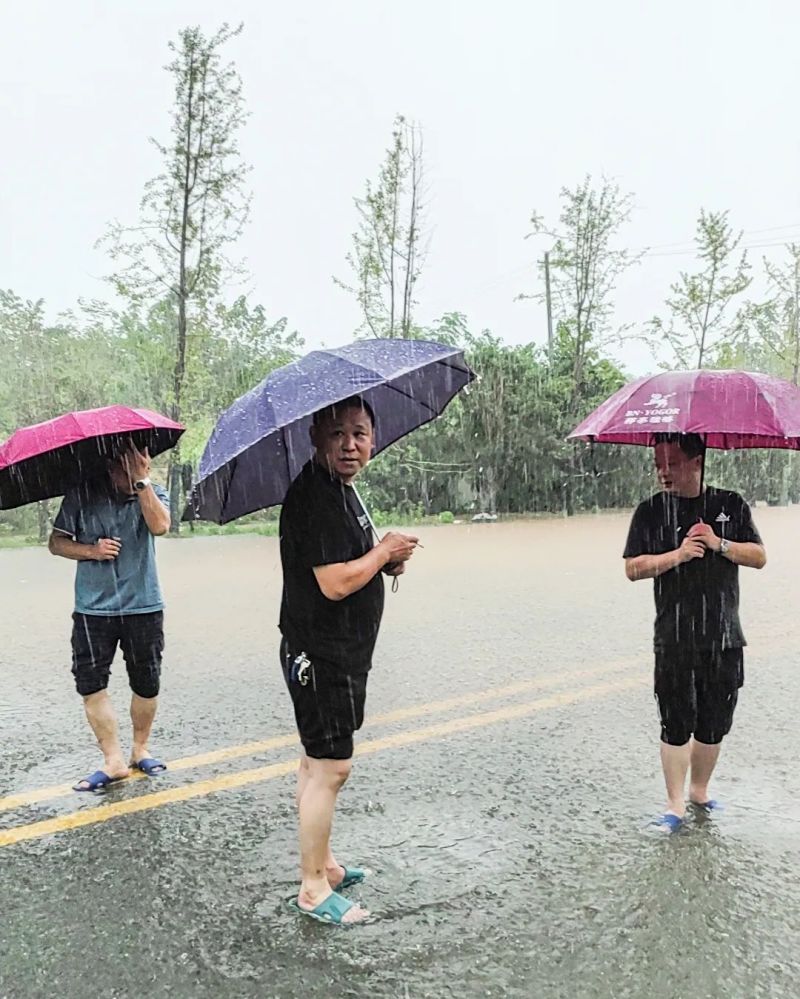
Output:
(697, 603)
(322, 523)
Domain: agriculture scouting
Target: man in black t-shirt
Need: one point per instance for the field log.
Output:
(691, 540)
(330, 614)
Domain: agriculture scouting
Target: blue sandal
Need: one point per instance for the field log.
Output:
(668, 822)
(712, 805)
(98, 781)
(352, 876)
(150, 766)
(330, 911)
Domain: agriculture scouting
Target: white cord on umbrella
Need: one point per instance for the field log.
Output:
(395, 580)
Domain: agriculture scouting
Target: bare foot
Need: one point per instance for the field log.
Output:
(116, 768)
(355, 915)
(335, 875)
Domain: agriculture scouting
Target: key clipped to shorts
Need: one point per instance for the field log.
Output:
(300, 666)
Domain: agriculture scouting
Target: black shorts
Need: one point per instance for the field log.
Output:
(94, 643)
(329, 707)
(697, 691)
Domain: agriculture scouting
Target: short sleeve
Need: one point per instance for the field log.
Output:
(68, 515)
(640, 540)
(319, 532)
(161, 492)
(744, 529)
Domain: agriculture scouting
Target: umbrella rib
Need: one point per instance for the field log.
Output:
(406, 395)
(431, 409)
(228, 489)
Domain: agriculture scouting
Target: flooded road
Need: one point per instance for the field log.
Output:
(501, 794)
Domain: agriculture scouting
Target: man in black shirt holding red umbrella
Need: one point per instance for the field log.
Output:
(690, 540)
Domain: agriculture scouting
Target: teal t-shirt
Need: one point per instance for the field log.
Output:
(129, 583)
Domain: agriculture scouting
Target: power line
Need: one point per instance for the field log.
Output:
(691, 242)
(693, 251)
(647, 252)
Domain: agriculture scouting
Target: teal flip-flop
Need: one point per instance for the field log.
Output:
(352, 876)
(331, 911)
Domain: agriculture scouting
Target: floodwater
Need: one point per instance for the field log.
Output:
(507, 773)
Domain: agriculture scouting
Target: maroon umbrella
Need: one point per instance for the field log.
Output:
(729, 409)
(49, 458)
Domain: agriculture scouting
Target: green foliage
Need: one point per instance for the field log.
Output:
(99, 356)
(500, 446)
(446, 517)
(387, 255)
(175, 257)
(702, 323)
(585, 266)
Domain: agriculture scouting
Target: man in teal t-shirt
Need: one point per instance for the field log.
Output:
(108, 526)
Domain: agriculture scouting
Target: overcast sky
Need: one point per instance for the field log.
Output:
(685, 104)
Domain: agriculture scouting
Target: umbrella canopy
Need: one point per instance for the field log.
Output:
(729, 409)
(50, 458)
(261, 442)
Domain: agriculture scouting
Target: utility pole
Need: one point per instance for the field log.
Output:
(549, 309)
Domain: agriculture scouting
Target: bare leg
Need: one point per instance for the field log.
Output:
(317, 802)
(143, 711)
(333, 869)
(704, 759)
(675, 763)
(302, 778)
(103, 721)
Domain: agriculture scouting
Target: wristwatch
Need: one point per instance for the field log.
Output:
(141, 484)
(724, 547)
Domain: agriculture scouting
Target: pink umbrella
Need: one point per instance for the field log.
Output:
(729, 409)
(49, 458)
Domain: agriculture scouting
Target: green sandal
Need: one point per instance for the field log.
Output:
(332, 910)
(352, 876)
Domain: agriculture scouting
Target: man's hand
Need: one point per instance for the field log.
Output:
(136, 463)
(106, 550)
(705, 533)
(394, 569)
(398, 547)
(691, 548)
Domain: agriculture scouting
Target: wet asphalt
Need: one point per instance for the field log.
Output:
(502, 805)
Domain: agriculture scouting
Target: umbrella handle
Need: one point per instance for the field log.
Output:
(703, 464)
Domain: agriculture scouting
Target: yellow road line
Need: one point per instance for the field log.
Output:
(198, 789)
(290, 739)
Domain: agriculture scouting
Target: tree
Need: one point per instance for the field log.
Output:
(769, 340)
(500, 445)
(388, 254)
(585, 267)
(700, 321)
(192, 210)
(776, 322)
(47, 370)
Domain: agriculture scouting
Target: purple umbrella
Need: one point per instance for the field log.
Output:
(729, 409)
(261, 442)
